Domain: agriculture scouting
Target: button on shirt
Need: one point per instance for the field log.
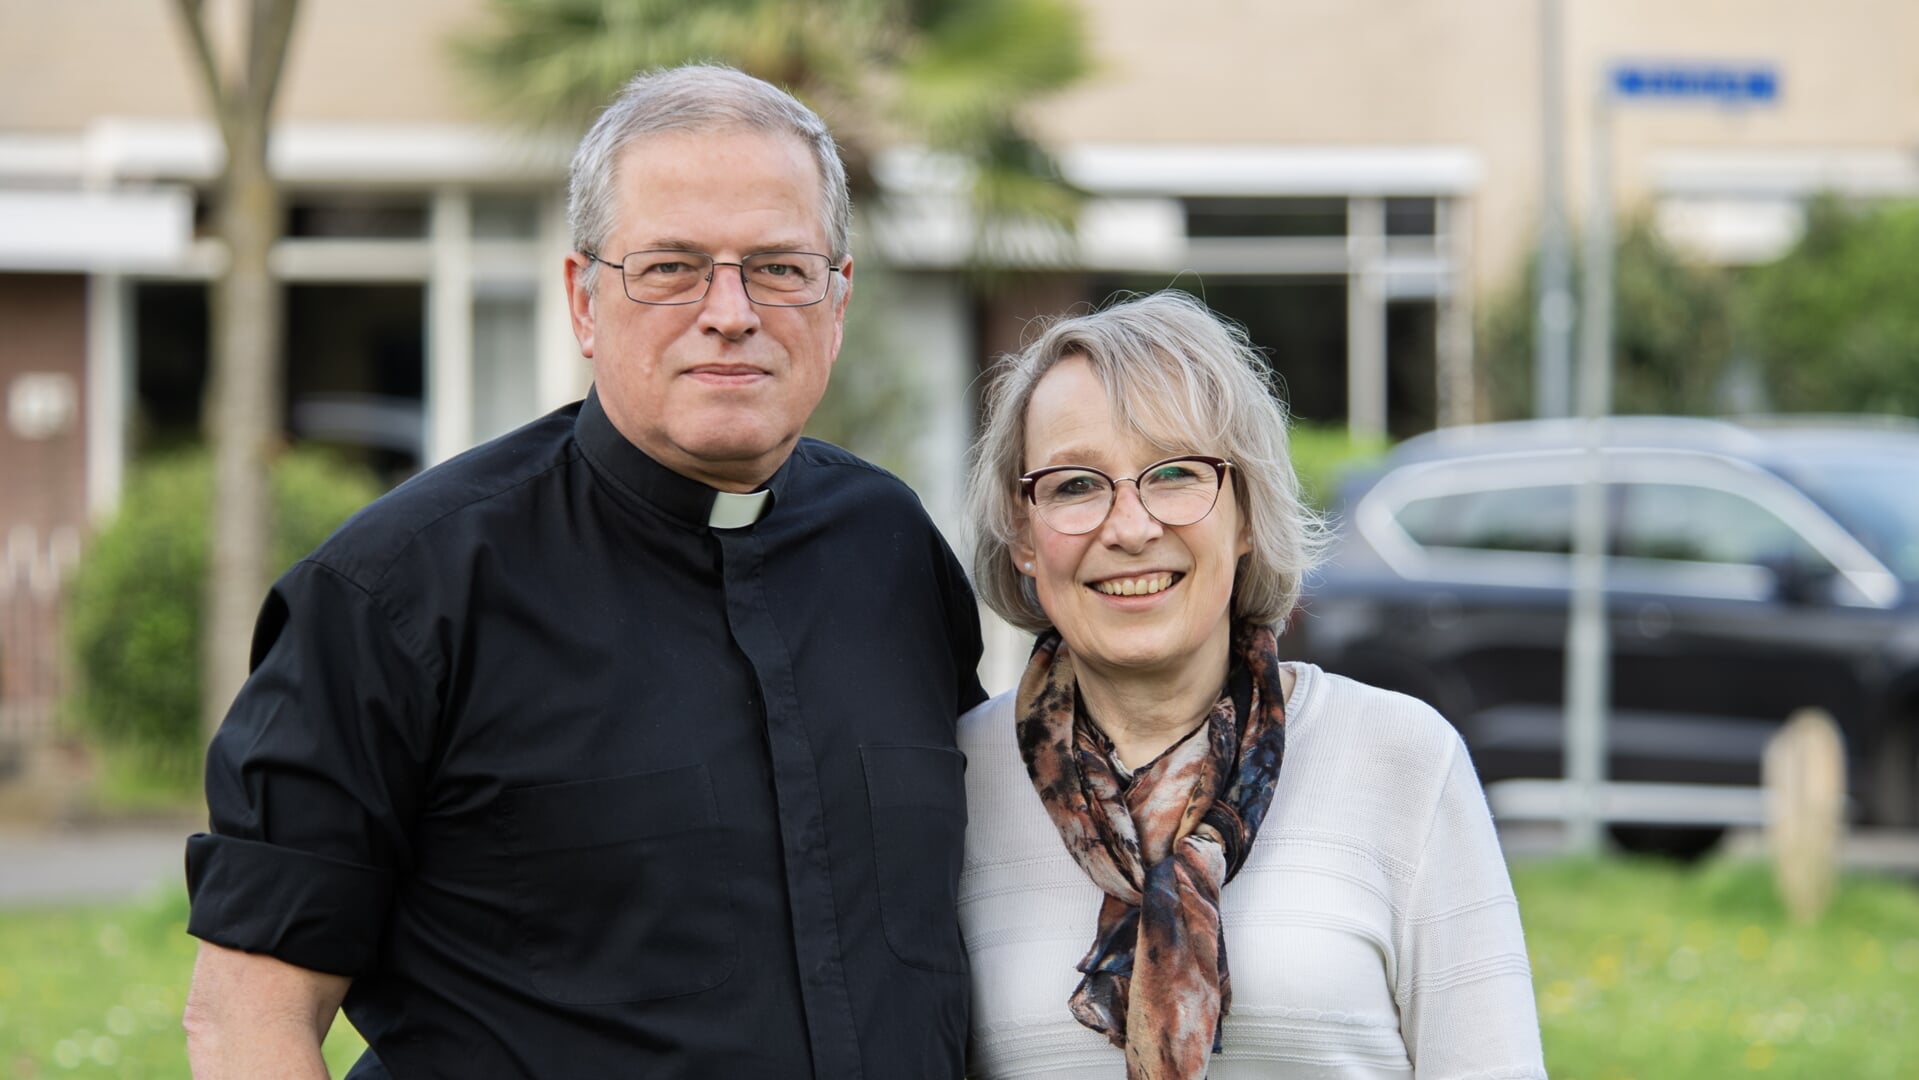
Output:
(572, 783)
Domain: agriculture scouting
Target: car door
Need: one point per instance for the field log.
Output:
(1728, 613)
(1482, 549)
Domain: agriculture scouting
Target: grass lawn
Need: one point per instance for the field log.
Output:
(98, 992)
(1646, 972)
(1643, 971)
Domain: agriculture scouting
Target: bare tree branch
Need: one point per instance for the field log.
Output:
(192, 16)
(270, 31)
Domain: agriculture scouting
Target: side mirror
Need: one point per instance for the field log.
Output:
(1797, 582)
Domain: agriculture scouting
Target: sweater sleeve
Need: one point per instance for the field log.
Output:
(1464, 988)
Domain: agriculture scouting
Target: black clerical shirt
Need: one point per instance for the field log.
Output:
(573, 784)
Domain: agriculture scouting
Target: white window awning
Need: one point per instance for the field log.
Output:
(93, 231)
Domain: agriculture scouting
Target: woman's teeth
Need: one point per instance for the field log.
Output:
(1135, 586)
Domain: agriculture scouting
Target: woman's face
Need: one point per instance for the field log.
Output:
(1180, 577)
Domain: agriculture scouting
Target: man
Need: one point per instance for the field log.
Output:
(622, 745)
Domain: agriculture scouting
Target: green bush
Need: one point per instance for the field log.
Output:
(133, 616)
(1833, 323)
(1324, 453)
(1672, 332)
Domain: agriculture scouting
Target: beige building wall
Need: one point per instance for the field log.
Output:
(1467, 73)
(1401, 73)
(64, 65)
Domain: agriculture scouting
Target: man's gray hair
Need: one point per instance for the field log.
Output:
(695, 98)
(1189, 383)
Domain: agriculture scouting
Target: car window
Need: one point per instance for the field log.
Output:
(1877, 501)
(1506, 519)
(1689, 523)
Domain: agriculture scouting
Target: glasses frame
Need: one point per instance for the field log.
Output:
(1029, 487)
(831, 269)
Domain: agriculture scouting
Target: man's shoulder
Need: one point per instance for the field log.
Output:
(415, 514)
(818, 455)
(842, 472)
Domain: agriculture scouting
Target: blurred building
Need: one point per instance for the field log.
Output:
(1348, 178)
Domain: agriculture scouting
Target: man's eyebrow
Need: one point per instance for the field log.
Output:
(677, 244)
(670, 244)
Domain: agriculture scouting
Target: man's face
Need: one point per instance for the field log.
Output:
(717, 390)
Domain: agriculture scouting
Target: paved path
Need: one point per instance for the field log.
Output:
(42, 867)
(47, 867)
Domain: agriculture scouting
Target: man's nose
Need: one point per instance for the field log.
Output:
(726, 309)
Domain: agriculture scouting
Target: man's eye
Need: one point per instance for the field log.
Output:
(665, 269)
(777, 269)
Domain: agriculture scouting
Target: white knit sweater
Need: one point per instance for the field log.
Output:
(1372, 932)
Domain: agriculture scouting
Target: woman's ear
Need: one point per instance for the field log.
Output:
(1021, 551)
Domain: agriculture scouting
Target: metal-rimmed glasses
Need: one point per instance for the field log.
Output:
(771, 278)
(1075, 499)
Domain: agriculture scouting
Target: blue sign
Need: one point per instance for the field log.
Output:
(1727, 84)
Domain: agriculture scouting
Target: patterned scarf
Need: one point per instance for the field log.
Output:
(1155, 980)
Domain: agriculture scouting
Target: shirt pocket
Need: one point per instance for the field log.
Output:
(917, 796)
(619, 887)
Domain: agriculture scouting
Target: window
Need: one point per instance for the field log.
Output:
(1687, 523)
(358, 216)
(1535, 519)
(1268, 216)
(1412, 217)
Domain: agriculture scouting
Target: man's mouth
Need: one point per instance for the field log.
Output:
(728, 371)
(1143, 585)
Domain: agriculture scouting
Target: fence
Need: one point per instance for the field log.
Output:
(33, 666)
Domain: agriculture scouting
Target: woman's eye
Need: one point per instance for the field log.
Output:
(1076, 486)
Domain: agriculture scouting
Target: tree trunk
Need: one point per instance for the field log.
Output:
(241, 418)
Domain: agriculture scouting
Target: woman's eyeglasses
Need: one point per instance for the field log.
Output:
(1075, 499)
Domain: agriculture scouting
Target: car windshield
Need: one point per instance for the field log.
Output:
(1877, 501)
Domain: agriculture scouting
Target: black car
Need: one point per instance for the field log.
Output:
(1752, 570)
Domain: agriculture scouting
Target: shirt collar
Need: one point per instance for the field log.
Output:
(637, 476)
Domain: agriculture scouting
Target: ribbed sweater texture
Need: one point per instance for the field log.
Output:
(1372, 933)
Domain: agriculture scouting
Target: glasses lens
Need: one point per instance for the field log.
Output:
(1073, 500)
(666, 277)
(786, 278)
(1179, 492)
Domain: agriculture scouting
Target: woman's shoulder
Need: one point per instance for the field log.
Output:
(1391, 756)
(989, 721)
(1366, 717)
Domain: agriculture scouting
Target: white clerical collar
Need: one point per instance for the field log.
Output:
(731, 511)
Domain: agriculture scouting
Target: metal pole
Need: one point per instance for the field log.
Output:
(1588, 652)
(1553, 317)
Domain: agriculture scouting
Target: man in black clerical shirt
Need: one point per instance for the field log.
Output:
(621, 746)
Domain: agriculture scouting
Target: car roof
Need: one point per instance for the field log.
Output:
(1763, 439)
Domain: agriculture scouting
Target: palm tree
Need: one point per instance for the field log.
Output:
(952, 75)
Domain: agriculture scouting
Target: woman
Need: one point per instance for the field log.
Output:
(1186, 858)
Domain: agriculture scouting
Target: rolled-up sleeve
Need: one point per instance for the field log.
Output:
(315, 779)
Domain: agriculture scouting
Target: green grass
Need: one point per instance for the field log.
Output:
(98, 992)
(1644, 971)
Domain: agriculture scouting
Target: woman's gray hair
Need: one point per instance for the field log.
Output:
(1189, 383)
(695, 98)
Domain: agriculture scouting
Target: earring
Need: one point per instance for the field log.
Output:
(1029, 565)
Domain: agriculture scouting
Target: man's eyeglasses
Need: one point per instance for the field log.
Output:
(771, 278)
(1075, 499)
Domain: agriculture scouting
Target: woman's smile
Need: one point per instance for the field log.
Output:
(1139, 585)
